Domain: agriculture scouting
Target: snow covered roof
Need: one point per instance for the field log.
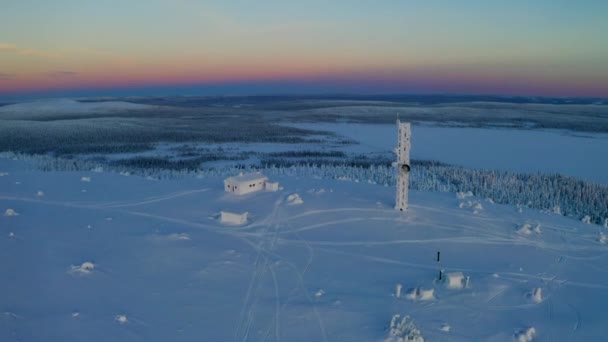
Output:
(249, 177)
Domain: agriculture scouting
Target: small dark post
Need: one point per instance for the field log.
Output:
(438, 253)
(440, 274)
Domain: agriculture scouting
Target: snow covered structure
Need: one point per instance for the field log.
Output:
(455, 280)
(272, 186)
(233, 218)
(403, 165)
(245, 183)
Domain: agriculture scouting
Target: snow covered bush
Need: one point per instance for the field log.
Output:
(525, 335)
(463, 195)
(527, 229)
(403, 330)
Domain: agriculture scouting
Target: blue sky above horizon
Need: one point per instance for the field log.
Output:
(70, 47)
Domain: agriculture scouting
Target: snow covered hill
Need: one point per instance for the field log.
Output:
(36, 109)
(100, 256)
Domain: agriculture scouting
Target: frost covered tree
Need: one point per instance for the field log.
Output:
(403, 330)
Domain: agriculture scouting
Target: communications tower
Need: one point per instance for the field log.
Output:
(403, 164)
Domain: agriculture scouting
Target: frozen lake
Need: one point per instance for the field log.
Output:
(581, 155)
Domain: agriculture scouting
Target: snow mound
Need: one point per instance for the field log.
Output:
(536, 295)
(121, 319)
(420, 294)
(86, 268)
(586, 219)
(294, 199)
(176, 237)
(85, 179)
(525, 335)
(445, 327)
(403, 330)
(316, 191)
(10, 212)
(527, 229)
(39, 193)
(320, 293)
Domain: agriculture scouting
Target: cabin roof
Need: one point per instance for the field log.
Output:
(249, 177)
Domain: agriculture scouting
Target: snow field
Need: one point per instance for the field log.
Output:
(321, 270)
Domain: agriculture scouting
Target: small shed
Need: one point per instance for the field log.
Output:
(272, 186)
(245, 183)
(455, 280)
(227, 217)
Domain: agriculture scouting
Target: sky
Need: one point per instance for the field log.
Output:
(140, 47)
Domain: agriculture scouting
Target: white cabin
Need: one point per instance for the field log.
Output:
(244, 184)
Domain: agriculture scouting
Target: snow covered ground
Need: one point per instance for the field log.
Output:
(133, 259)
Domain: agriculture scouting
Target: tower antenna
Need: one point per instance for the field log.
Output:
(403, 164)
